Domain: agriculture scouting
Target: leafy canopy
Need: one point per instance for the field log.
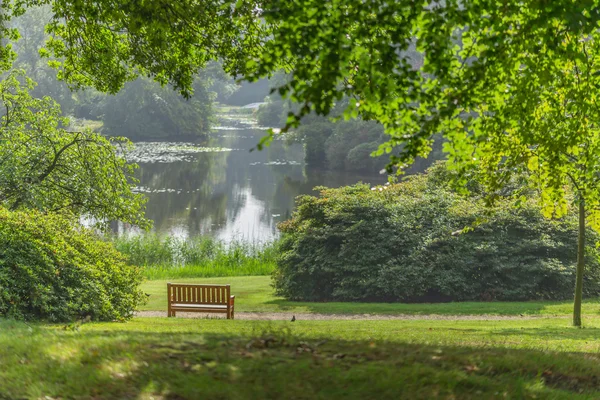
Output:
(105, 43)
(511, 87)
(546, 124)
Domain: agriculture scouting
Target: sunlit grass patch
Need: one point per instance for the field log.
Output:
(255, 294)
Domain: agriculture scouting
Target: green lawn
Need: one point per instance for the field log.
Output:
(190, 359)
(176, 358)
(254, 293)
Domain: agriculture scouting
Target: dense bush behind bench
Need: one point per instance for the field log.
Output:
(404, 243)
(51, 270)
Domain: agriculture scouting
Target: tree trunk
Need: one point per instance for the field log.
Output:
(580, 265)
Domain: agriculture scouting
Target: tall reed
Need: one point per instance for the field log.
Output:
(166, 257)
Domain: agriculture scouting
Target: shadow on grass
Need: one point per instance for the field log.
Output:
(277, 365)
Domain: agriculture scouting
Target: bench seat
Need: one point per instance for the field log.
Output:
(198, 307)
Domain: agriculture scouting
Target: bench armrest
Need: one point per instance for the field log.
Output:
(231, 300)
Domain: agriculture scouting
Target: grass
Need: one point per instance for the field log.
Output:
(168, 257)
(175, 358)
(190, 359)
(254, 294)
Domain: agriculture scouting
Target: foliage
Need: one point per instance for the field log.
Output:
(408, 242)
(272, 112)
(417, 67)
(45, 167)
(144, 109)
(96, 44)
(510, 88)
(52, 270)
(315, 135)
(351, 143)
(170, 257)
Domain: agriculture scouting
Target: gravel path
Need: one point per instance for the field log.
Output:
(288, 316)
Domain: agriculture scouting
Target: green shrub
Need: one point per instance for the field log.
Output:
(52, 270)
(406, 242)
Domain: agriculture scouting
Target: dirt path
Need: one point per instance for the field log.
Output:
(288, 316)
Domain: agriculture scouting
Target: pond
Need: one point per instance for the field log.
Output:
(221, 188)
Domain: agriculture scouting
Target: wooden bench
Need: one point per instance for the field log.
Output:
(200, 298)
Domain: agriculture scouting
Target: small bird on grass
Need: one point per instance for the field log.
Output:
(293, 318)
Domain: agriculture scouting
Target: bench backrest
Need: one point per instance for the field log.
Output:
(198, 294)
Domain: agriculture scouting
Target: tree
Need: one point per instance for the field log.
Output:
(549, 129)
(45, 167)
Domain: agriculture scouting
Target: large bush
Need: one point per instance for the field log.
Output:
(52, 270)
(407, 242)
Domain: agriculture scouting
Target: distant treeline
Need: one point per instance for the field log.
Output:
(341, 145)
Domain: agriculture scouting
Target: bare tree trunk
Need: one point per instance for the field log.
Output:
(580, 264)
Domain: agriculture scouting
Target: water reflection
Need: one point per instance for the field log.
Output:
(233, 194)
